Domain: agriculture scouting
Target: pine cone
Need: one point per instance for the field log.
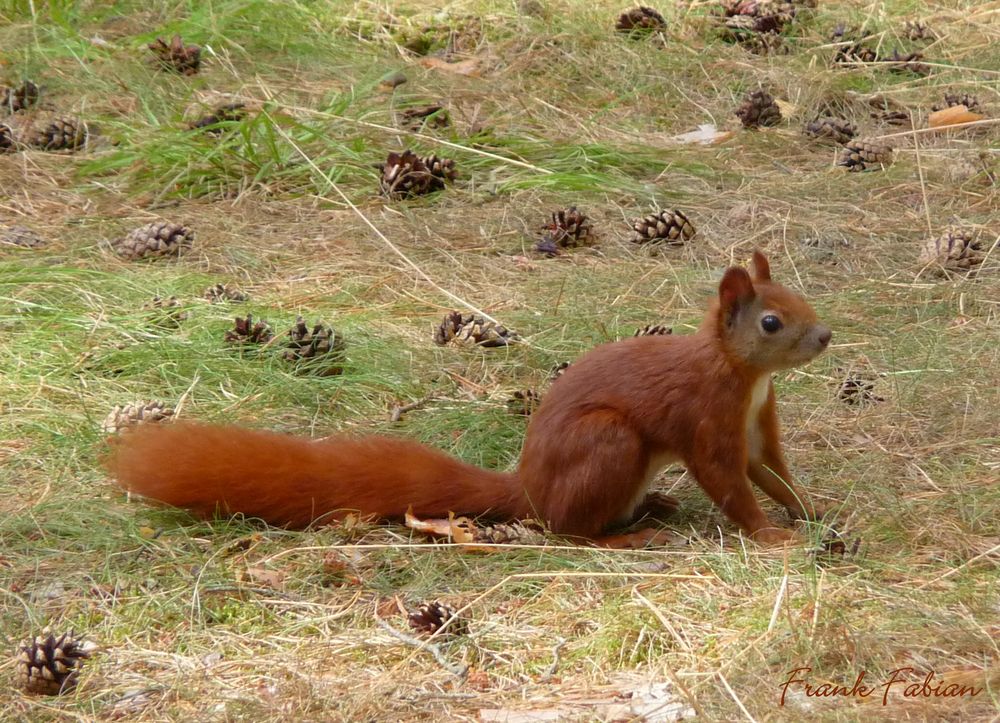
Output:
(759, 109)
(916, 30)
(405, 174)
(858, 388)
(568, 228)
(892, 117)
(8, 140)
(748, 31)
(175, 56)
(432, 616)
(956, 252)
(319, 350)
(764, 17)
(654, 330)
(858, 155)
(20, 98)
(558, 370)
(168, 312)
(509, 534)
(840, 131)
(21, 236)
(229, 113)
(51, 665)
(472, 329)
(524, 403)
(640, 20)
(669, 227)
(131, 415)
(430, 116)
(856, 53)
(155, 239)
(247, 332)
(442, 171)
(765, 44)
(59, 134)
(223, 292)
(907, 63)
(971, 102)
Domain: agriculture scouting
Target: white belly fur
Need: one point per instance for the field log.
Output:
(755, 441)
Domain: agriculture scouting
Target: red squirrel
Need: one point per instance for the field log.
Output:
(606, 427)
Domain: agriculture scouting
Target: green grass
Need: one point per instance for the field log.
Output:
(191, 621)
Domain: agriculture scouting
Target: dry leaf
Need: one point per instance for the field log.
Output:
(954, 115)
(459, 529)
(274, 579)
(707, 134)
(468, 67)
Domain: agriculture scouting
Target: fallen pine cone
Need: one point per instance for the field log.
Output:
(970, 102)
(14, 100)
(509, 533)
(669, 227)
(319, 350)
(132, 415)
(223, 292)
(175, 56)
(639, 21)
(245, 332)
(431, 617)
(859, 155)
(955, 252)
(858, 388)
(524, 403)
(472, 328)
(50, 665)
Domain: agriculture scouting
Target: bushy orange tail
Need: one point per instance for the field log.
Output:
(295, 481)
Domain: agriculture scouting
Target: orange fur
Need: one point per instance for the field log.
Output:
(296, 481)
(605, 428)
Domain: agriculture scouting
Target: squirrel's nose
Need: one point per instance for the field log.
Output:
(824, 336)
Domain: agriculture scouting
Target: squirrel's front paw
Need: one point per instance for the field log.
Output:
(773, 536)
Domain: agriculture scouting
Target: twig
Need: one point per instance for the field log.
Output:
(732, 693)
(265, 591)
(777, 603)
(398, 411)
(458, 670)
(551, 670)
(956, 126)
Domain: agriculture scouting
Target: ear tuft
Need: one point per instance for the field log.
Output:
(735, 290)
(761, 267)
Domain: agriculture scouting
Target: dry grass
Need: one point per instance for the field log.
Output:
(233, 621)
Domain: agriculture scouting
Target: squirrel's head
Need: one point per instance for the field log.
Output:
(763, 324)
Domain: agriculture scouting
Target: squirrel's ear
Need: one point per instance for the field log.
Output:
(761, 268)
(735, 290)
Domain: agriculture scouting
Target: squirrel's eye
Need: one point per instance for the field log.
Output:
(770, 323)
